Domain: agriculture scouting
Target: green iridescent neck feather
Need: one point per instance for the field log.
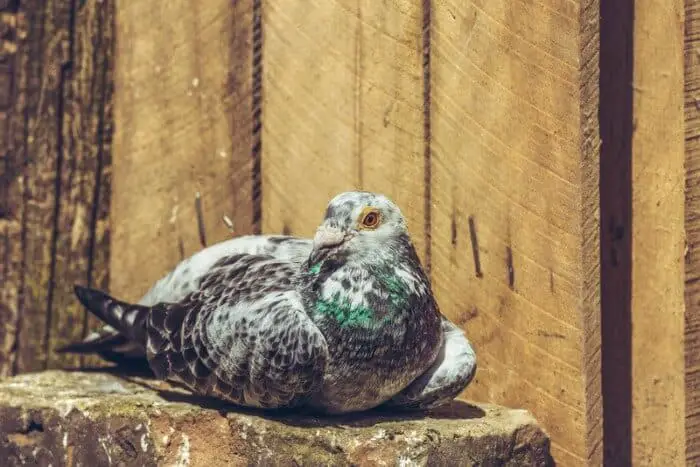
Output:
(345, 314)
(348, 314)
(315, 269)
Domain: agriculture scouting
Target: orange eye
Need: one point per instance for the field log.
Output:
(370, 219)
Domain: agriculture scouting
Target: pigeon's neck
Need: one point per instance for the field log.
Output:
(367, 295)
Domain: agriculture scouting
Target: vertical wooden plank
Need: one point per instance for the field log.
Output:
(589, 289)
(183, 112)
(658, 397)
(342, 109)
(98, 266)
(50, 31)
(13, 103)
(51, 145)
(692, 227)
(515, 238)
(84, 128)
(50, 165)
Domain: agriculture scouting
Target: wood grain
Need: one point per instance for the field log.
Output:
(343, 109)
(49, 43)
(692, 226)
(82, 211)
(53, 62)
(98, 260)
(183, 102)
(13, 105)
(658, 236)
(515, 170)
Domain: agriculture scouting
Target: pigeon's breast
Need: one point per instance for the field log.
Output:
(368, 367)
(382, 328)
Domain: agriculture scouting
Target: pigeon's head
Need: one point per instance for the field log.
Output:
(359, 225)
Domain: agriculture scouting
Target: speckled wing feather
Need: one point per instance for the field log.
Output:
(185, 279)
(243, 335)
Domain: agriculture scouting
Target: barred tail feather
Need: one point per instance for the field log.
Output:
(127, 318)
(94, 344)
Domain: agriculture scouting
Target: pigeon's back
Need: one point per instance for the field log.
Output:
(185, 277)
(183, 280)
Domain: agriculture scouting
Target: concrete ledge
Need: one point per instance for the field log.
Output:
(99, 419)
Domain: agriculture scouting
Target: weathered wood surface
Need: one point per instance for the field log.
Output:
(515, 205)
(648, 340)
(658, 320)
(55, 91)
(13, 102)
(184, 104)
(82, 246)
(343, 108)
(692, 226)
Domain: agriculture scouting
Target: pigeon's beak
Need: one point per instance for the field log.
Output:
(325, 240)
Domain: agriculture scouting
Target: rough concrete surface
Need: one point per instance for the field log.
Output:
(102, 419)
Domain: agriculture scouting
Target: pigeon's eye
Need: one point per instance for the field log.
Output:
(369, 219)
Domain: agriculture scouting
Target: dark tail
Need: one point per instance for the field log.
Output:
(95, 345)
(128, 319)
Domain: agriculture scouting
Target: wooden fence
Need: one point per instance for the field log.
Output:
(541, 151)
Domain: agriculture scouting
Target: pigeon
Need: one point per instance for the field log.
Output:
(344, 322)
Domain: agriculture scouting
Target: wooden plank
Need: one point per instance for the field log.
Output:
(183, 112)
(48, 43)
(85, 94)
(658, 397)
(98, 267)
(515, 203)
(692, 227)
(13, 102)
(342, 109)
(50, 141)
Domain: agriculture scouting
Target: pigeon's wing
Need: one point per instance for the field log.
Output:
(185, 277)
(453, 370)
(183, 280)
(242, 336)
